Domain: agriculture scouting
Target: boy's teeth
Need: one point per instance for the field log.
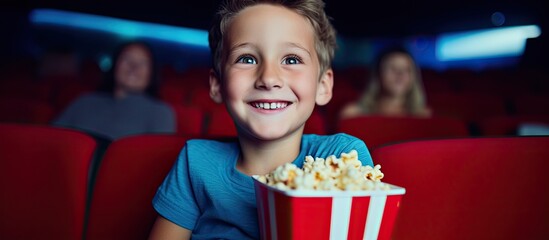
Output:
(269, 106)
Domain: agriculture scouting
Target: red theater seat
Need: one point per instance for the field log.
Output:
(189, 120)
(316, 124)
(18, 110)
(173, 93)
(508, 125)
(131, 171)
(200, 97)
(484, 188)
(532, 105)
(26, 89)
(43, 182)
(343, 93)
(435, 86)
(220, 124)
(468, 107)
(378, 130)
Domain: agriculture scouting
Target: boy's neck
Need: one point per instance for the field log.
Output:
(261, 157)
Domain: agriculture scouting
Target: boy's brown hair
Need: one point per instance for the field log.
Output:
(325, 35)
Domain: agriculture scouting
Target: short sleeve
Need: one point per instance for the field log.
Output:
(175, 199)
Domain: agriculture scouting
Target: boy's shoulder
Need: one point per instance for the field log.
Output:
(336, 143)
(338, 138)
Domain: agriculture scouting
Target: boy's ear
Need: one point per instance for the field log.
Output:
(215, 87)
(324, 89)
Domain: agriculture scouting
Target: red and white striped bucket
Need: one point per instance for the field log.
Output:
(311, 214)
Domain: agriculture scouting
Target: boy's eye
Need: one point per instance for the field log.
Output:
(291, 60)
(246, 60)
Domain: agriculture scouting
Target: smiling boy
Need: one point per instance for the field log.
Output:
(271, 66)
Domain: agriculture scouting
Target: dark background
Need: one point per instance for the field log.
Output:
(352, 19)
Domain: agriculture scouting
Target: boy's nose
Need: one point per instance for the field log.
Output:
(269, 78)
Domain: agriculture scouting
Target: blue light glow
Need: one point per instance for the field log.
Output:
(126, 28)
(498, 19)
(490, 43)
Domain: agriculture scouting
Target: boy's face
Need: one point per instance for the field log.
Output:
(270, 72)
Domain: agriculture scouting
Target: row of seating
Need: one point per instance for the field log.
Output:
(44, 184)
(377, 130)
(186, 94)
(503, 82)
(468, 107)
(57, 96)
(500, 81)
(466, 188)
(472, 188)
(190, 86)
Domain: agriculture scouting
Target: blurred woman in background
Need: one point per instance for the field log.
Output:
(126, 103)
(394, 90)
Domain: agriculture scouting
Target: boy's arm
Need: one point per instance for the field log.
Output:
(164, 229)
(175, 202)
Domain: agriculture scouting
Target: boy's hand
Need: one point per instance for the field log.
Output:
(164, 229)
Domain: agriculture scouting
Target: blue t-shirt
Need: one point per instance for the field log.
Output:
(205, 193)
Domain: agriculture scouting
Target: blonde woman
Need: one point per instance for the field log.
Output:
(394, 90)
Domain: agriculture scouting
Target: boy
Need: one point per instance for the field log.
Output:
(271, 66)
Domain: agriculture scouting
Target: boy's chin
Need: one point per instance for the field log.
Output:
(272, 134)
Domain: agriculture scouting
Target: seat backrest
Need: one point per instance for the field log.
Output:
(26, 89)
(378, 130)
(200, 97)
(316, 124)
(508, 125)
(343, 94)
(131, 171)
(18, 110)
(469, 107)
(173, 93)
(532, 105)
(220, 124)
(476, 188)
(190, 120)
(43, 182)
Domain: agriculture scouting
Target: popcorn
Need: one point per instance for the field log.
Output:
(344, 173)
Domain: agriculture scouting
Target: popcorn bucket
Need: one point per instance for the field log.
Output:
(309, 214)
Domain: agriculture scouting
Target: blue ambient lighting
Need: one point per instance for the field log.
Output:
(127, 28)
(498, 19)
(491, 43)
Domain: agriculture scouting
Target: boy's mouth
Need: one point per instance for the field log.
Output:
(269, 105)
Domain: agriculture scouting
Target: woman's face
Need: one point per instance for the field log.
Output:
(134, 69)
(397, 71)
